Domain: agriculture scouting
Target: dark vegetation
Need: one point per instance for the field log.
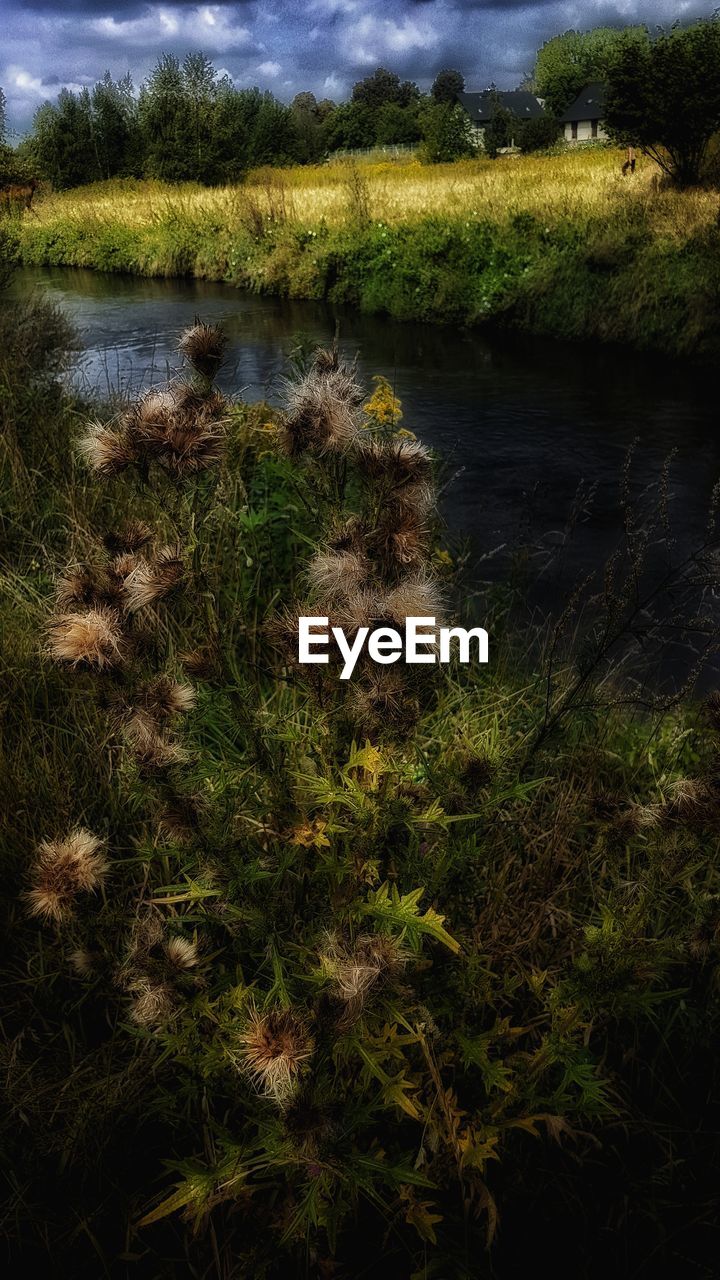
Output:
(414, 977)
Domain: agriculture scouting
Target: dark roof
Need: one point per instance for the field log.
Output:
(589, 104)
(521, 102)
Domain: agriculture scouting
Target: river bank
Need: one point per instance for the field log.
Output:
(558, 245)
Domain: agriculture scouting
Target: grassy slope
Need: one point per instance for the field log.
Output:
(558, 244)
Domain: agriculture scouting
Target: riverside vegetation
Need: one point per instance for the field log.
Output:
(559, 244)
(414, 974)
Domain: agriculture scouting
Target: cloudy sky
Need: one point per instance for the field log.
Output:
(289, 45)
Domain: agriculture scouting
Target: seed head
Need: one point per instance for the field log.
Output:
(333, 574)
(153, 1002)
(180, 819)
(63, 869)
(82, 962)
(360, 608)
(78, 587)
(323, 411)
(166, 697)
(132, 537)
(92, 638)
(417, 596)
(203, 345)
(381, 700)
(153, 579)
(150, 748)
(355, 970)
(401, 539)
(180, 429)
(273, 1048)
(199, 662)
(107, 451)
(182, 953)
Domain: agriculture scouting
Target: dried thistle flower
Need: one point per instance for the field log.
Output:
(180, 819)
(78, 586)
(166, 697)
(323, 410)
(106, 450)
(123, 565)
(201, 662)
(337, 573)
(417, 596)
(182, 953)
(153, 579)
(401, 539)
(355, 970)
(326, 360)
(153, 1002)
(274, 1047)
(690, 798)
(359, 609)
(63, 869)
(82, 962)
(180, 429)
(150, 749)
(204, 346)
(93, 637)
(381, 699)
(397, 462)
(638, 817)
(129, 539)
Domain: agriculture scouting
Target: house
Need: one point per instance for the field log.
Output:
(582, 122)
(480, 108)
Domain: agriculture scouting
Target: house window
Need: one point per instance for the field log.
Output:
(593, 130)
(573, 130)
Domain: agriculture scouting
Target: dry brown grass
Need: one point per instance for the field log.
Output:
(574, 185)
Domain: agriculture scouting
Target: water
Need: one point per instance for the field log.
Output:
(520, 422)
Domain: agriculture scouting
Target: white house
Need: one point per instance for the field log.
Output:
(582, 122)
(480, 108)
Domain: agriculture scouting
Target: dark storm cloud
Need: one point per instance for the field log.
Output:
(322, 45)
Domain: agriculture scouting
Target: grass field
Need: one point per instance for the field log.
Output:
(560, 244)
(569, 186)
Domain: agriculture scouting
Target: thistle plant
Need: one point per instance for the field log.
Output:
(344, 935)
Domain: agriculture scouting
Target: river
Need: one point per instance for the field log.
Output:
(520, 422)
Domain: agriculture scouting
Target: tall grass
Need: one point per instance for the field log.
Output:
(559, 244)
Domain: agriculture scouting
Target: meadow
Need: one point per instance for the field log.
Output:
(393, 978)
(559, 243)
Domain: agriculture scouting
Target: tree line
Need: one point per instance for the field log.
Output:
(187, 123)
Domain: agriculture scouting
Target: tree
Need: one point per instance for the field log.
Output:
(537, 134)
(3, 116)
(65, 140)
(350, 126)
(447, 86)
(274, 140)
(115, 127)
(565, 64)
(447, 133)
(501, 127)
(384, 86)
(164, 122)
(395, 124)
(665, 97)
(307, 122)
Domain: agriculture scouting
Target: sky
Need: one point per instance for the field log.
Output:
(293, 45)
